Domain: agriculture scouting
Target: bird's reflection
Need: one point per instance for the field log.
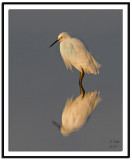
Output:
(76, 112)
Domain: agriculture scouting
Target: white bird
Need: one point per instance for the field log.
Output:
(76, 112)
(74, 53)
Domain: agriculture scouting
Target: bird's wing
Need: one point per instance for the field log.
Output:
(95, 62)
(84, 58)
(78, 45)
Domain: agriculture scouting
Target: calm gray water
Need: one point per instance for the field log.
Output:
(40, 84)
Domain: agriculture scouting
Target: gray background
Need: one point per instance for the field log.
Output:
(39, 83)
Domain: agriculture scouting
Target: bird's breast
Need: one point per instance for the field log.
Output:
(65, 48)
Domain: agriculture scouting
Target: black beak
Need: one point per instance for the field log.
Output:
(54, 43)
(56, 124)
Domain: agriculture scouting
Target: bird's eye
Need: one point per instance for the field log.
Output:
(59, 38)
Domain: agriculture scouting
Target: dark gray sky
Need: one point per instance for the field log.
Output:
(40, 84)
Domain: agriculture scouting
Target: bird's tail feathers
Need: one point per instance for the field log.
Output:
(98, 99)
(97, 65)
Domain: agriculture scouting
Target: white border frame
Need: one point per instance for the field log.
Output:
(124, 152)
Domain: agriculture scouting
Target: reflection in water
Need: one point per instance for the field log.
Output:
(76, 112)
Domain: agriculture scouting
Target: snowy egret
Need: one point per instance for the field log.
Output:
(74, 53)
(76, 112)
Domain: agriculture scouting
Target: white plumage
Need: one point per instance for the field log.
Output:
(76, 111)
(74, 53)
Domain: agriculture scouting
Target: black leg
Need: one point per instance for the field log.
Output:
(82, 91)
(81, 77)
(80, 82)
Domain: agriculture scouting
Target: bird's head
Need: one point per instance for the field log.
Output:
(62, 36)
